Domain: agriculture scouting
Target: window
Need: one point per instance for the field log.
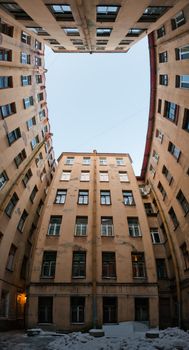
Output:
(38, 78)
(81, 226)
(24, 268)
(163, 57)
(128, 198)
(11, 204)
(28, 101)
(182, 53)
(85, 176)
(159, 135)
(62, 12)
(79, 265)
(22, 221)
(108, 265)
(175, 151)
(69, 161)
(77, 309)
(138, 265)
(5, 55)
(25, 80)
(71, 31)
(34, 142)
(163, 79)
(167, 174)
(33, 193)
(135, 32)
(38, 61)
(4, 309)
(5, 82)
(83, 197)
(119, 161)
(60, 196)
(86, 160)
(40, 97)
(185, 124)
(152, 170)
(134, 228)
(103, 31)
(54, 225)
(161, 189)
(173, 217)
(25, 58)
(7, 110)
(155, 235)
(160, 32)
(39, 207)
(25, 38)
(183, 202)
(30, 123)
(185, 256)
(106, 13)
(104, 176)
(123, 176)
(182, 81)
(110, 309)
(155, 156)
(6, 28)
(178, 20)
(3, 179)
(161, 269)
(20, 158)
(42, 114)
(45, 309)
(38, 159)
(38, 30)
(38, 45)
(107, 226)
(152, 13)
(149, 209)
(105, 197)
(102, 161)
(65, 175)
(13, 136)
(48, 264)
(11, 258)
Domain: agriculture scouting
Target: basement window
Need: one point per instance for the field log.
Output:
(106, 13)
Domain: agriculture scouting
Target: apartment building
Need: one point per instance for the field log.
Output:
(92, 26)
(166, 159)
(26, 161)
(95, 260)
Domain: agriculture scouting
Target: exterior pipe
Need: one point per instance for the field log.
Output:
(94, 230)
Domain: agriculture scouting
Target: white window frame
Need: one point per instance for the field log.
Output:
(65, 176)
(153, 232)
(107, 230)
(123, 176)
(85, 176)
(104, 177)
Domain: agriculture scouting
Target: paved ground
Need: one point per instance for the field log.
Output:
(20, 341)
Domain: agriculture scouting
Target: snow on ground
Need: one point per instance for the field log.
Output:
(125, 336)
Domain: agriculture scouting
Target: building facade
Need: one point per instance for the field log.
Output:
(26, 161)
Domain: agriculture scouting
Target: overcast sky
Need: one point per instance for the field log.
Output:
(99, 101)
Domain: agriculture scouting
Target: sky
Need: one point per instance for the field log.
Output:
(99, 101)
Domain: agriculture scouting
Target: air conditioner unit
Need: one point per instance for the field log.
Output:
(145, 190)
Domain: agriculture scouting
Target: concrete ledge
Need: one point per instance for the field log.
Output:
(96, 332)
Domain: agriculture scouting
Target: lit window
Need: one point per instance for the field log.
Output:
(81, 226)
(134, 228)
(185, 124)
(173, 217)
(48, 264)
(77, 309)
(128, 198)
(3, 179)
(138, 265)
(183, 202)
(104, 176)
(54, 225)
(60, 196)
(65, 175)
(85, 176)
(155, 235)
(5, 82)
(178, 20)
(182, 81)
(13, 136)
(123, 176)
(103, 31)
(22, 221)
(108, 265)
(79, 265)
(11, 204)
(175, 151)
(107, 226)
(83, 197)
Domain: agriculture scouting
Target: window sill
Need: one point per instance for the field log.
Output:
(47, 277)
(78, 323)
(109, 278)
(78, 277)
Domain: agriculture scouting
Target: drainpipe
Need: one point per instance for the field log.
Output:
(174, 257)
(94, 230)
